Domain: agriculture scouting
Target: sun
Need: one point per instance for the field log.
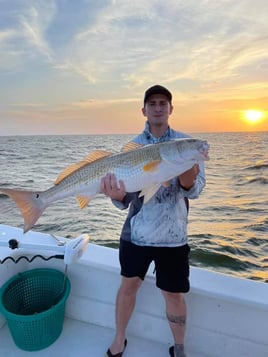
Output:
(253, 116)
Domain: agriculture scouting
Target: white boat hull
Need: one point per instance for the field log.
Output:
(227, 316)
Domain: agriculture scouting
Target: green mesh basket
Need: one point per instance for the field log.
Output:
(33, 303)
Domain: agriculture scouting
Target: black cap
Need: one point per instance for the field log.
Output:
(157, 89)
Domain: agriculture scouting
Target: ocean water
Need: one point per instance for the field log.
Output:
(228, 224)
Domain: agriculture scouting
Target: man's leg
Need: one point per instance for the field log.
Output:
(176, 315)
(125, 303)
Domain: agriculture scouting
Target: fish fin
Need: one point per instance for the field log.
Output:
(131, 146)
(29, 204)
(166, 184)
(93, 156)
(151, 166)
(83, 201)
(149, 192)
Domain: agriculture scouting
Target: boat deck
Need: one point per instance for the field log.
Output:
(84, 340)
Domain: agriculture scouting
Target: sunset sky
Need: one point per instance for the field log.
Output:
(82, 66)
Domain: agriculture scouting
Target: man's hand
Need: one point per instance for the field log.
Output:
(187, 179)
(111, 189)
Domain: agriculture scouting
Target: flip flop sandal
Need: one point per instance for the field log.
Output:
(120, 354)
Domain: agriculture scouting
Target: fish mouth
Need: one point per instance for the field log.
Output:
(204, 149)
(206, 155)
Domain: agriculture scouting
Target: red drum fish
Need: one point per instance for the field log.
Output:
(142, 168)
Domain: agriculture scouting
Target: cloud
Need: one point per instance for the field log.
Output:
(67, 51)
(113, 40)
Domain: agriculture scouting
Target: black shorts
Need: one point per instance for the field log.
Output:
(171, 264)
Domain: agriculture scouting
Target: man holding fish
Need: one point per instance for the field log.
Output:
(154, 176)
(156, 227)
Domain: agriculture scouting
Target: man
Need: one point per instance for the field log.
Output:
(147, 237)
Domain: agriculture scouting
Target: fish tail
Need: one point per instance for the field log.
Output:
(30, 205)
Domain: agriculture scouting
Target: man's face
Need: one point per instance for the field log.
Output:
(157, 109)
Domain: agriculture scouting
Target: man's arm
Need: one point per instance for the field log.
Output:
(193, 181)
(187, 179)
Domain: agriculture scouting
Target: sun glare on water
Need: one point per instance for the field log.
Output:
(253, 116)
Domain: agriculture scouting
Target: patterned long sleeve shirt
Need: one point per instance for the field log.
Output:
(162, 221)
